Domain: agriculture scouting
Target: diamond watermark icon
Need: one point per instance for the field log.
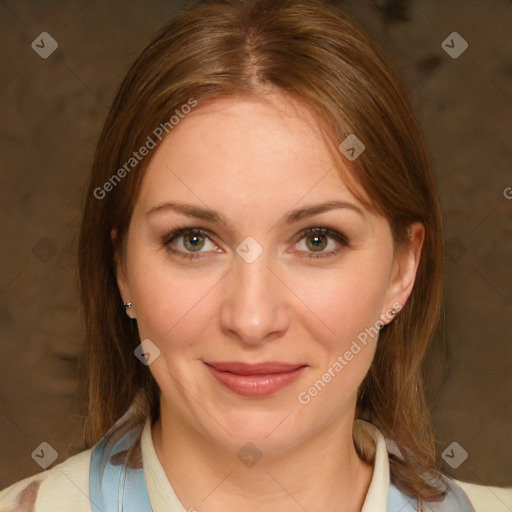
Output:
(147, 352)
(44, 45)
(249, 249)
(455, 249)
(44, 249)
(454, 45)
(45, 455)
(352, 147)
(249, 455)
(454, 455)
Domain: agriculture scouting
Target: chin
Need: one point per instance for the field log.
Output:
(269, 431)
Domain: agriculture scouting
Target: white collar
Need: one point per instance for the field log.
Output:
(377, 495)
(164, 499)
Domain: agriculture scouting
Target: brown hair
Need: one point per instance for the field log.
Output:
(315, 54)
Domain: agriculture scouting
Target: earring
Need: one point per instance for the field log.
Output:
(395, 311)
(127, 306)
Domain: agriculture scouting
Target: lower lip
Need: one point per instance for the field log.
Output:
(256, 385)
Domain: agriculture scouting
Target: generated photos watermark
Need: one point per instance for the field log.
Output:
(304, 397)
(158, 133)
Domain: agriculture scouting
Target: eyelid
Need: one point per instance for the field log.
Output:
(340, 238)
(323, 230)
(175, 233)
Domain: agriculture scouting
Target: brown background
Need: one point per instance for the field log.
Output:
(52, 112)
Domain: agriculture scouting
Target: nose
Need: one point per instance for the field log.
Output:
(255, 309)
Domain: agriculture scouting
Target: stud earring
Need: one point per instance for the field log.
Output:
(127, 306)
(394, 312)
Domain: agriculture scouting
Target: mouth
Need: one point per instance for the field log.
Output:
(255, 380)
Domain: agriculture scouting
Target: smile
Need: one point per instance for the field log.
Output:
(255, 380)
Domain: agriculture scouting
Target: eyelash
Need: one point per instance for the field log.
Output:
(339, 237)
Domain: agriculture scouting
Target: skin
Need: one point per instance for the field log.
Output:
(254, 160)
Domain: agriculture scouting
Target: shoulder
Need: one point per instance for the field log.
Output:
(62, 488)
(460, 497)
(456, 498)
(487, 498)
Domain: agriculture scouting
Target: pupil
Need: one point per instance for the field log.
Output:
(317, 241)
(194, 241)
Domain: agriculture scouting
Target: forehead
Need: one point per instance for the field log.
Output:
(250, 151)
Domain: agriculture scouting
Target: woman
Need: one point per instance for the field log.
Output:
(263, 208)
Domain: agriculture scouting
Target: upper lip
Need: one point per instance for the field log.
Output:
(254, 368)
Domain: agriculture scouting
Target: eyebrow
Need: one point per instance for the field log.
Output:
(199, 212)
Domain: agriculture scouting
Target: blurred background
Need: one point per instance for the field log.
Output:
(55, 89)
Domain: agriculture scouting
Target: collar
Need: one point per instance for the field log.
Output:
(116, 486)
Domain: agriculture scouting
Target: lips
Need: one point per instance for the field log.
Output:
(255, 369)
(255, 380)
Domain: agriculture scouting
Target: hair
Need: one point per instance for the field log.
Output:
(313, 53)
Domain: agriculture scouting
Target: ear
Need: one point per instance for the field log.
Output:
(119, 265)
(404, 270)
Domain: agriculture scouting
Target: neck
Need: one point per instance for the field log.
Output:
(323, 473)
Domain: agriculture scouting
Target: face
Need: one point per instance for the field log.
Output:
(258, 306)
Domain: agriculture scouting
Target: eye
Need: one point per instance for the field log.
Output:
(317, 239)
(192, 241)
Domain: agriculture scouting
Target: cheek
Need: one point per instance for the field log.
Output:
(347, 301)
(171, 304)
(346, 306)
(344, 328)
